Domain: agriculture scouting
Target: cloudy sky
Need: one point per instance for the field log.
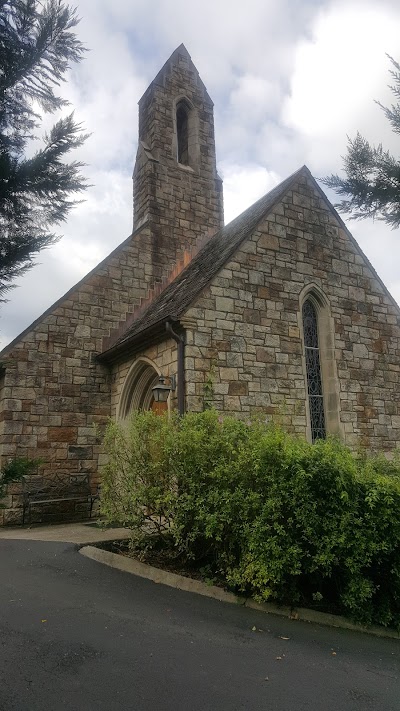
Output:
(290, 79)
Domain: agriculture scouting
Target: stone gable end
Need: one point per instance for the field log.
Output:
(249, 341)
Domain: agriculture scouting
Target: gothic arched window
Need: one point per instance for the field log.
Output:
(313, 370)
(182, 133)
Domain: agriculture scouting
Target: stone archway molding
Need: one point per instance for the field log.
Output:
(137, 391)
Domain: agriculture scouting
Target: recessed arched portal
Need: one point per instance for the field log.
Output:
(137, 393)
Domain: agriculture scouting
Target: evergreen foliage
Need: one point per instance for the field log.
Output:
(274, 516)
(37, 46)
(371, 185)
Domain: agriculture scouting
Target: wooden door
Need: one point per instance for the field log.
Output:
(159, 407)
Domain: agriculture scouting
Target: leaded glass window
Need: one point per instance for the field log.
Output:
(313, 370)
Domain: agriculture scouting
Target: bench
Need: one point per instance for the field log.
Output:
(40, 491)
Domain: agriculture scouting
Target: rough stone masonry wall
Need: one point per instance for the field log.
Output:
(182, 203)
(53, 393)
(248, 336)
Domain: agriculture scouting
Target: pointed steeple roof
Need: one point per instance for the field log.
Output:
(177, 55)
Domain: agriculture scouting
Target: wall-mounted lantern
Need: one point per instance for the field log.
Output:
(163, 388)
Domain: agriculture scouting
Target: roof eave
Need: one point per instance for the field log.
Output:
(9, 347)
(137, 342)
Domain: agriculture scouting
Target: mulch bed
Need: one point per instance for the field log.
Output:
(165, 559)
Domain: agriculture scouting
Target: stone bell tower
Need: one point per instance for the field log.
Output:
(176, 189)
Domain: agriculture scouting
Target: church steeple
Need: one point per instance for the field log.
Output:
(176, 188)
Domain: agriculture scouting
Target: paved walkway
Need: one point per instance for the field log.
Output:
(79, 635)
(87, 534)
(79, 533)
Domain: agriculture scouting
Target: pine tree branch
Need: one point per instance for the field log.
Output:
(37, 46)
(371, 181)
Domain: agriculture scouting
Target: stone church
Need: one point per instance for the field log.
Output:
(279, 312)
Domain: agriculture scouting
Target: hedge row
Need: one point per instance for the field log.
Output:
(276, 517)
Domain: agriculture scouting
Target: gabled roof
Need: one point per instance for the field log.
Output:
(177, 297)
(8, 348)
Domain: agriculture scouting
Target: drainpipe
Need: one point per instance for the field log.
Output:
(181, 366)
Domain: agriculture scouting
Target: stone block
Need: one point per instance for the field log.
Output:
(62, 434)
(268, 241)
(202, 339)
(265, 355)
(251, 316)
(223, 345)
(82, 452)
(13, 405)
(234, 360)
(238, 388)
(340, 267)
(223, 303)
(60, 404)
(229, 373)
(82, 331)
(232, 403)
(360, 350)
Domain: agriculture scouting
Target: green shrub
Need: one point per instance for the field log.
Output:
(277, 517)
(15, 470)
(138, 486)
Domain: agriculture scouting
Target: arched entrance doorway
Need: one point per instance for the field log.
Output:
(137, 393)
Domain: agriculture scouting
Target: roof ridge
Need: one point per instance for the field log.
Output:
(203, 266)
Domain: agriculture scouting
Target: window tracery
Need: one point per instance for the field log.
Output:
(313, 370)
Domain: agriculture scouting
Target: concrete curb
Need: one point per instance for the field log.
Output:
(130, 565)
(173, 580)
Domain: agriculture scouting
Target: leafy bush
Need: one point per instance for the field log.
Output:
(15, 470)
(277, 517)
(138, 486)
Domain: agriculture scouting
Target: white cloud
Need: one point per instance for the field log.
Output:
(338, 74)
(254, 98)
(243, 185)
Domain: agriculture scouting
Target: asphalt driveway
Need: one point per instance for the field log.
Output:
(79, 636)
